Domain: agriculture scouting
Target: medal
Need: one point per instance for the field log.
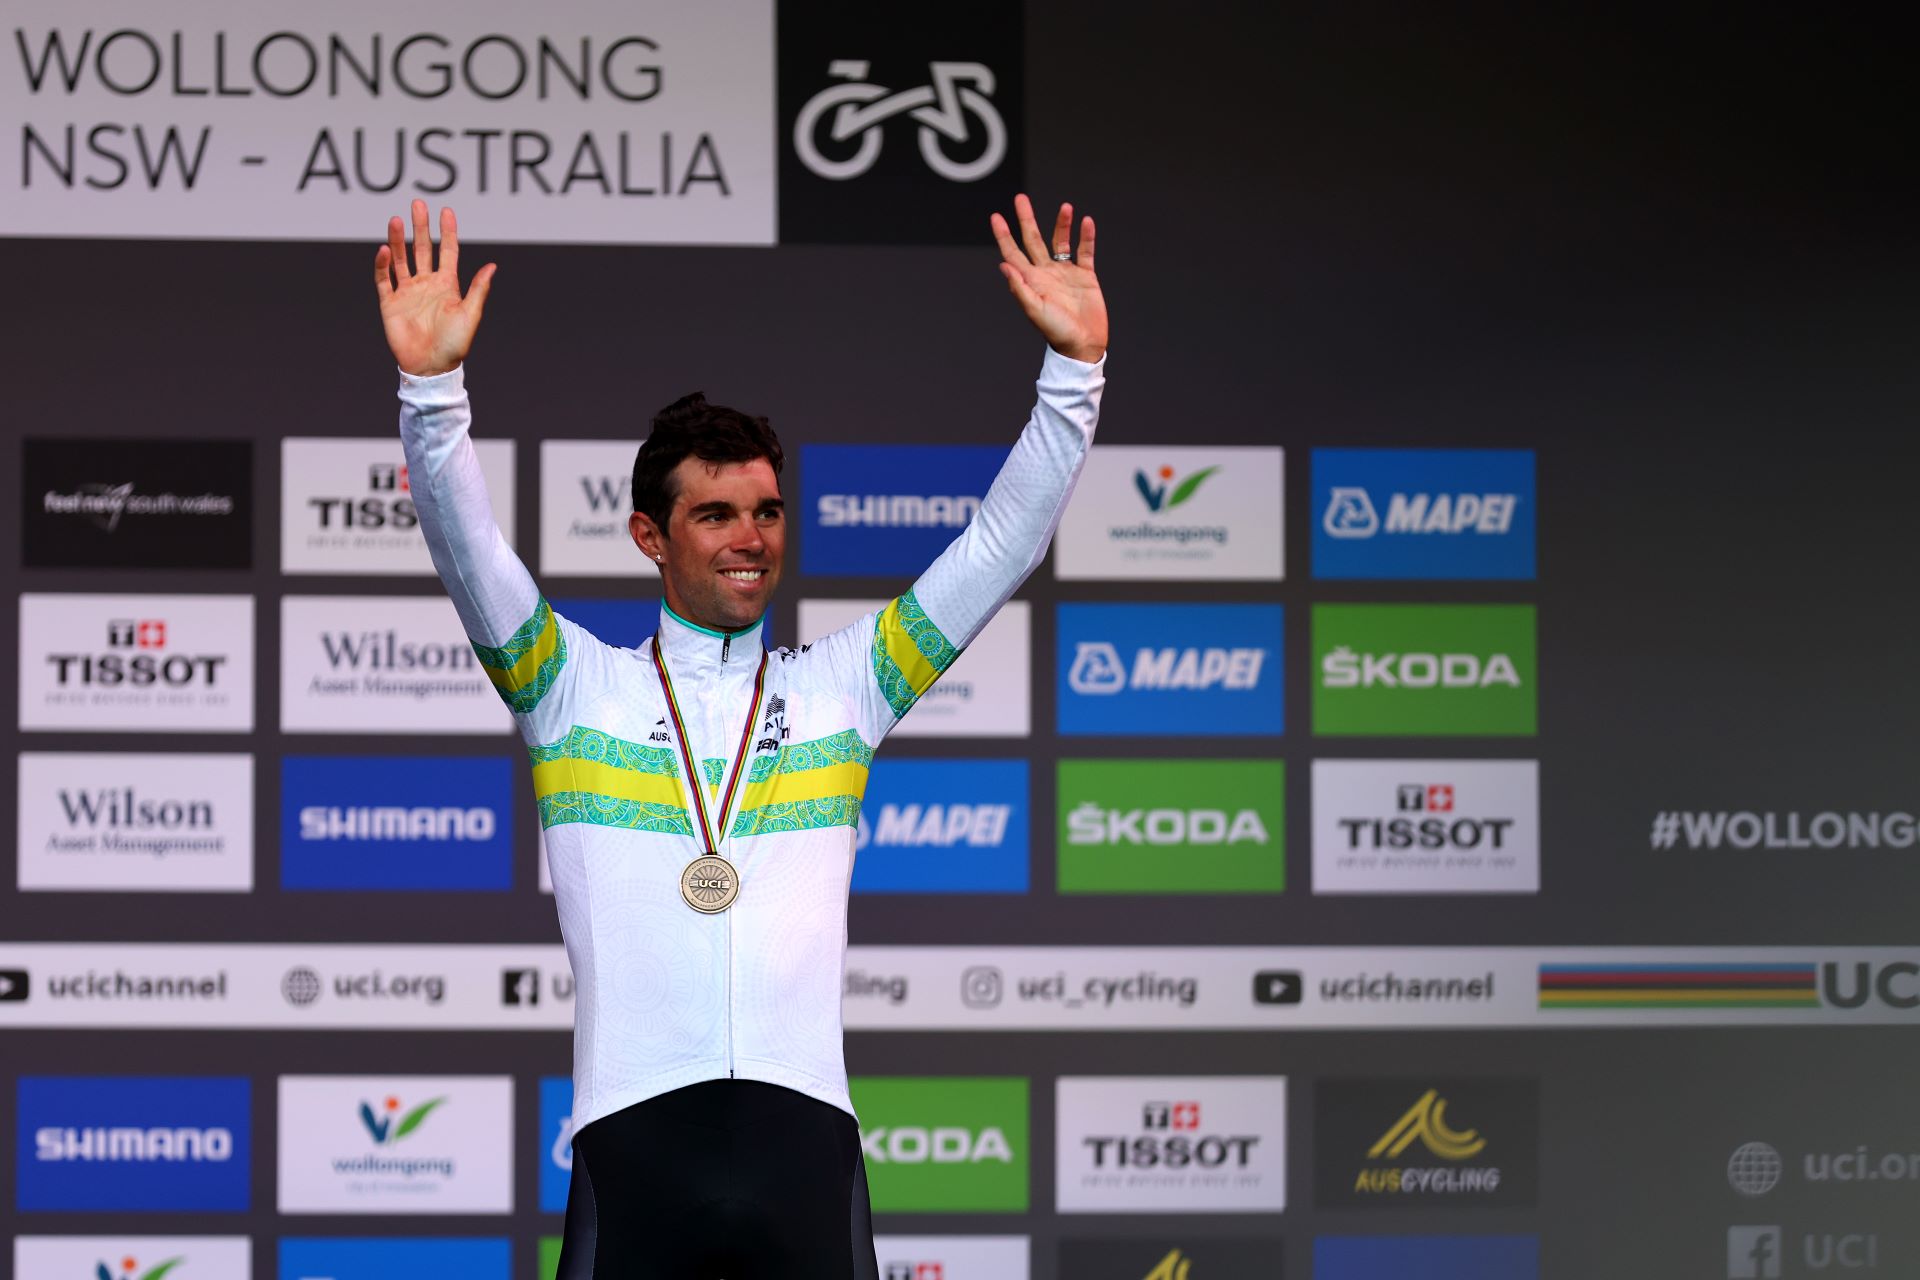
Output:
(709, 883)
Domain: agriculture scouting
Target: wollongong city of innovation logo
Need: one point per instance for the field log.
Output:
(1165, 495)
(389, 1125)
(129, 1269)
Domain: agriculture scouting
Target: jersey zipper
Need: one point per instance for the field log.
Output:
(729, 916)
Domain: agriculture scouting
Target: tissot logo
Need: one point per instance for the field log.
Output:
(137, 504)
(920, 114)
(100, 822)
(1132, 669)
(1426, 826)
(346, 506)
(967, 1257)
(1423, 513)
(1171, 1144)
(172, 663)
(1176, 513)
(1400, 1143)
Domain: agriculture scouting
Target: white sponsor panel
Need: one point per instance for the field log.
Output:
(1170, 513)
(986, 693)
(586, 495)
(139, 663)
(396, 1144)
(1426, 826)
(594, 121)
(82, 1257)
(952, 1257)
(104, 822)
(460, 987)
(346, 506)
(1170, 1144)
(382, 664)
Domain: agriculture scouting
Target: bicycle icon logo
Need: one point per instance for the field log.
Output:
(946, 111)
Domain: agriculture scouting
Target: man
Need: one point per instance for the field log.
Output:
(700, 795)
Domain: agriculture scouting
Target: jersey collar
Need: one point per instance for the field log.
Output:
(688, 644)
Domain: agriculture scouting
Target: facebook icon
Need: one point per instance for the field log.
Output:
(1753, 1253)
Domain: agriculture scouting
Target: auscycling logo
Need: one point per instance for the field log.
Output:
(388, 1125)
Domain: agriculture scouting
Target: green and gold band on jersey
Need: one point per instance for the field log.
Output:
(525, 667)
(909, 653)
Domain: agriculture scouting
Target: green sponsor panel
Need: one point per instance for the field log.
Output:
(1172, 826)
(1431, 670)
(944, 1143)
(549, 1257)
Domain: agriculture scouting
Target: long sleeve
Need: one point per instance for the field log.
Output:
(905, 647)
(520, 642)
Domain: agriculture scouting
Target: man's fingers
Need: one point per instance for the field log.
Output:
(1063, 231)
(1017, 285)
(397, 247)
(1029, 229)
(382, 272)
(449, 243)
(1086, 244)
(422, 240)
(477, 292)
(1003, 236)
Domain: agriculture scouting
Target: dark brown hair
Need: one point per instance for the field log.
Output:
(690, 427)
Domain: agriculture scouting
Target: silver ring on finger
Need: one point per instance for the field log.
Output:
(1063, 257)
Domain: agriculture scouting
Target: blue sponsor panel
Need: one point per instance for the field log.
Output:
(1428, 1257)
(620, 623)
(396, 822)
(1465, 514)
(943, 826)
(395, 1259)
(166, 1143)
(885, 510)
(556, 1142)
(1153, 670)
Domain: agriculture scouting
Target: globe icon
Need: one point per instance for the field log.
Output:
(1754, 1169)
(300, 986)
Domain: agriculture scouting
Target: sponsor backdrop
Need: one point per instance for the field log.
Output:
(1443, 807)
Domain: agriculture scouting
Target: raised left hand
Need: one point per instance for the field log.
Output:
(1062, 298)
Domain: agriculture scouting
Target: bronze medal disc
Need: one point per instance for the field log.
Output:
(709, 884)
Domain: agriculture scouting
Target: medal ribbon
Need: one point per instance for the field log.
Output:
(695, 782)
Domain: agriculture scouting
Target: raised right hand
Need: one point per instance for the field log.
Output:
(429, 325)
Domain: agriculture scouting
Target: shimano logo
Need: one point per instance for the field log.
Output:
(393, 822)
(1091, 824)
(888, 1145)
(936, 826)
(896, 511)
(1345, 669)
(1098, 669)
(1351, 513)
(54, 1145)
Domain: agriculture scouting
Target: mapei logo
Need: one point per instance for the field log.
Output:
(391, 1122)
(1134, 669)
(943, 826)
(1423, 513)
(1165, 495)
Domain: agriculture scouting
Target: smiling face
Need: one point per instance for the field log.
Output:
(721, 552)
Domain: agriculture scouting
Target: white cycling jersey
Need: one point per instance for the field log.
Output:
(664, 996)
